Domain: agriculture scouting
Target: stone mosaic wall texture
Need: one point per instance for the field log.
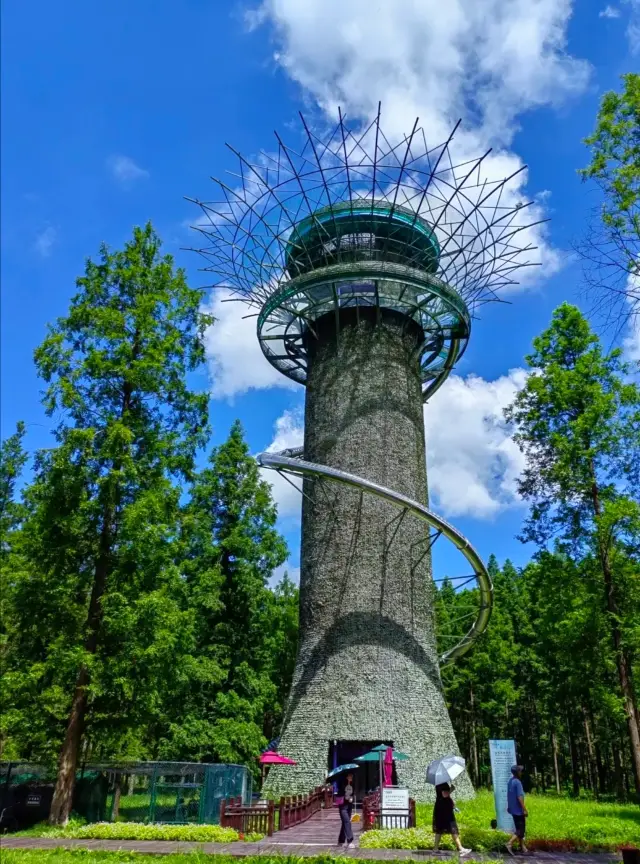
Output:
(367, 665)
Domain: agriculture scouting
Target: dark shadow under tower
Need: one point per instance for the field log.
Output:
(363, 269)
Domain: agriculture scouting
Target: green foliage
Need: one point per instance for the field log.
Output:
(231, 548)
(615, 158)
(93, 856)
(577, 421)
(142, 831)
(612, 252)
(552, 818)
(95, 593)
(477, 839)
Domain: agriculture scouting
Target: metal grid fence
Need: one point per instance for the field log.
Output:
(170, 792)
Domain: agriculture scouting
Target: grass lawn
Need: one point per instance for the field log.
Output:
(587, 823)
(86, 856)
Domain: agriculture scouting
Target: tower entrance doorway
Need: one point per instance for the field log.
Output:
(366, 778)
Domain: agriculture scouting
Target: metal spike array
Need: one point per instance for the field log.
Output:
(245, 232)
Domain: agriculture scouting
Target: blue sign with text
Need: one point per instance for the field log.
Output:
(503, 757)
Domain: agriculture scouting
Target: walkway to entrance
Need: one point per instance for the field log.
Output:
(322, 829)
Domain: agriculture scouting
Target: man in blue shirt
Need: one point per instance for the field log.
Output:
(517, 809)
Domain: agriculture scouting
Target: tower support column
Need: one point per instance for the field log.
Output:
(367, 668)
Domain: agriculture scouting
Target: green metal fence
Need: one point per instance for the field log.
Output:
(173, 792)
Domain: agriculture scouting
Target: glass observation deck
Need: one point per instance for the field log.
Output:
(361, 230)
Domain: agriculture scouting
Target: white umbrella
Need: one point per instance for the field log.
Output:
(445, 770)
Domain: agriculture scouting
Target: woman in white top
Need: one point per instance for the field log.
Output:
(345, 809)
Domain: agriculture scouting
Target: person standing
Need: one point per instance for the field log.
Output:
(444, 820)
(345, 810)
(517, 809)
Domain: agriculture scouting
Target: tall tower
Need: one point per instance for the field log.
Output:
(364, 259)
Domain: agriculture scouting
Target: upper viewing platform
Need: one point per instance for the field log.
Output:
(338, 226)
(361, 230)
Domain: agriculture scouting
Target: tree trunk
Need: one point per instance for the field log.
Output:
(474, 740)
(593, 768)
(554, 744)
(622, 656)
(619, 772)
(68, 764)
(575, 765)
(65, 783)
(117, 794)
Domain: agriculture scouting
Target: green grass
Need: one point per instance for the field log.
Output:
(86, 856)
(579, 824)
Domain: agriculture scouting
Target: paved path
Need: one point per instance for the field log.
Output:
(317, 836)
(271, 846)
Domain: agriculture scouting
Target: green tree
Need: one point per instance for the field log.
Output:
(611, 250)
(231, 549)
(12, 461)
(103, 505)
(577, 421)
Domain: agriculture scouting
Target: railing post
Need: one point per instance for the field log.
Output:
(412, 813)
(270, 819)
(223, 806)
(281, 814)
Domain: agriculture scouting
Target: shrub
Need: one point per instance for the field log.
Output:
(478, 839)
(143, 831)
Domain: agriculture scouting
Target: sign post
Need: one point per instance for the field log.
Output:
(395, 799)
(503, 757)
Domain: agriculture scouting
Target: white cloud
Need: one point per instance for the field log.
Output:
(236, 362)
(473, 463)
(125, 170)
(485, 62)
(610, 12)
(289, 432)
(633, 27)
(45, 241)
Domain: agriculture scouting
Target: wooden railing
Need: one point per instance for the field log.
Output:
(299, 808)
(373, 816)
(261, 819)
(248, 820)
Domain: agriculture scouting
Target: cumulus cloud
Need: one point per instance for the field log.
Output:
(236, 363)
(472, 459)
(633, 27)
(125, 170)
(485, 62)
(45, 241)
(289, 432)
(609, 12)
(473, 462)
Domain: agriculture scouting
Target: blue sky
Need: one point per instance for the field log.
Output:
(112, 113)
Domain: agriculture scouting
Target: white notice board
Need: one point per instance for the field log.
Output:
(395, 798)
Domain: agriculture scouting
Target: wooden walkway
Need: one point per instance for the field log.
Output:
(322, 829)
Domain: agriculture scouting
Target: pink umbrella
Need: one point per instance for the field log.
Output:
(388, 766)
(272, 758)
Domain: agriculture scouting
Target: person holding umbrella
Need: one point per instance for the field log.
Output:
(444, 820)
(440, 773)
(345, 806)
(345, 809)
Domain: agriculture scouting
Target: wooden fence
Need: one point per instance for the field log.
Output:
(299, 808)
(373, 816)
(247, 820)
(262, 819)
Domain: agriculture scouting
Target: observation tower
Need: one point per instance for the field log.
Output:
(364, 259)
